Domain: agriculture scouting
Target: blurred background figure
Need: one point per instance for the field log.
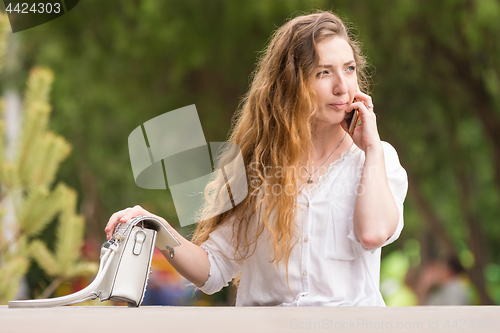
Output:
(443, 282)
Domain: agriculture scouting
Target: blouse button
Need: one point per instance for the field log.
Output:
(307, 204)
(304, 273)
(306, 239)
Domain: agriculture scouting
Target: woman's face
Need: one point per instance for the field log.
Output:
(336, 80)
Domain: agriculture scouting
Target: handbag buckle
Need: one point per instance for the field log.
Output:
(140, 237)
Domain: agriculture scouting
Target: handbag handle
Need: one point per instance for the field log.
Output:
(88, 293)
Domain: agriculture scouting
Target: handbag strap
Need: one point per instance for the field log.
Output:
(90, 292)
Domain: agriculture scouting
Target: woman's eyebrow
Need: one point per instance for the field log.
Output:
(350, 62)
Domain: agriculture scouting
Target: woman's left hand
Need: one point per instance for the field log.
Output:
(365, 135)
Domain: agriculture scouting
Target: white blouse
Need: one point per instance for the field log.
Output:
(328, 266)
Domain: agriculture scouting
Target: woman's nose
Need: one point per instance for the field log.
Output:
(339, 86)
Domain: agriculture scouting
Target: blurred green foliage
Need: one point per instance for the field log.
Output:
(436, 85)
(30, 201)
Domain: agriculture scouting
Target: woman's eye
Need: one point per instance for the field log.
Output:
(322, 73)
(351, 68)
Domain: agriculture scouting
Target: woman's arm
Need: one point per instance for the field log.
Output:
(190, 260)
(375, 212)
(376, 215)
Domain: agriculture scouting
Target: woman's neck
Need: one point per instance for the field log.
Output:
(325, 139)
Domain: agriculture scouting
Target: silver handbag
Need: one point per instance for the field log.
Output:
(124, 267)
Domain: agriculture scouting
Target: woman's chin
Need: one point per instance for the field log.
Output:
(328, 121)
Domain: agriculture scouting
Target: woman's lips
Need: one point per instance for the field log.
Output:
(338, 105)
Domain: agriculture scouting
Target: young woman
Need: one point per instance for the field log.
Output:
(321, 202)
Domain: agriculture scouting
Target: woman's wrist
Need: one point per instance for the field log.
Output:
(375, 149)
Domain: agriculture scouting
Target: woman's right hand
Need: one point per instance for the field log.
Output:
(123, 216)
(191, 260)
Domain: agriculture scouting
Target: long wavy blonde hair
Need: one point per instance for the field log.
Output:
(272, 127)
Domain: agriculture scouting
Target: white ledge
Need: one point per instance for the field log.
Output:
(76, 319)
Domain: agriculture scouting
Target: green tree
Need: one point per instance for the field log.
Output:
(30, 201)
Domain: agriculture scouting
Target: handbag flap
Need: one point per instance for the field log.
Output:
(164, 238)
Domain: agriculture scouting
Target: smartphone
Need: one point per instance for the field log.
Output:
(351, 119)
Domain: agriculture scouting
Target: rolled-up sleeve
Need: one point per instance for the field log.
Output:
(398, 183)
(220, 251)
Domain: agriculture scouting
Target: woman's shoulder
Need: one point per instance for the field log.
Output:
(395, 170)
(388, 148)
(390, 155)
(390, 152)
